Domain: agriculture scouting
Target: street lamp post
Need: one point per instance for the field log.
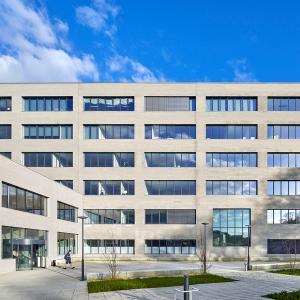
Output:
(248, 247)
(82, 246)
(204, 254)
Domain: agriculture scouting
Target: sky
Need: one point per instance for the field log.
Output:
(149, 41)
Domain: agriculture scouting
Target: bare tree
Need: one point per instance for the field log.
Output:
(111, 258)
(291, 248)
(201, 253)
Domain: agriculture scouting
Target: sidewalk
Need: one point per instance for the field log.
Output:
(60, 284)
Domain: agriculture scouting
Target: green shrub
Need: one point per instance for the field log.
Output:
(141, 283)
(295, 272)
(284, 295)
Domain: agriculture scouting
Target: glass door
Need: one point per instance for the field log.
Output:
(23, 255)
(38, 256)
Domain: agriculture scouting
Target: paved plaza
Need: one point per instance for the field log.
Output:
(58, 284)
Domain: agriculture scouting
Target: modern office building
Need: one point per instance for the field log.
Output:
(38, 219)
(155, 161)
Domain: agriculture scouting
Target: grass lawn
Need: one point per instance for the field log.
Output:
(284, 295)
(141, 283)
(295, 272)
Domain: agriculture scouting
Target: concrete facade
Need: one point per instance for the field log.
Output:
(19, 176)
(139, 202)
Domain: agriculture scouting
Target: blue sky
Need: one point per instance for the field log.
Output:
(149, 41)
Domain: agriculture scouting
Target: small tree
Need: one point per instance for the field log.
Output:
(201, 253)
(111, 259)
(291, 249)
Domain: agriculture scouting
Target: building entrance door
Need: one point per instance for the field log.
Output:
(23, 256)
(29, 254)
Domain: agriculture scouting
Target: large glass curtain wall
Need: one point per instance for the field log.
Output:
(230, 227)
(11, 235)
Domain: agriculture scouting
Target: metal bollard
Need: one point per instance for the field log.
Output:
(186, 287)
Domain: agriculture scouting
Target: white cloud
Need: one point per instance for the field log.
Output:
(241, 70)
(34, 49)
(99, 16)
(124, 68)
(61, 26)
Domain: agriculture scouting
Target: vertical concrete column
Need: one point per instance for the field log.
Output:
(139, 121)
(17, 129)
(262, 137)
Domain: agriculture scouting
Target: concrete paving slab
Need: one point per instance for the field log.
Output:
(59, 284)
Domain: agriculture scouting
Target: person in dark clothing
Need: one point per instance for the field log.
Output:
(68, 260)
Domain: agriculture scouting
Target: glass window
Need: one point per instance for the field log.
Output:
(231, 103)
(109, 187)
(231, 187)
(108, 131)
(170, 187)
(284, 131)
(65, 242)
(284, 160)
(5, 131)
(108, 103)
(170, 131)
(45, 159)
(67, 212)
(5, 104)
(170, 159)
(48, 131)
(48, 103)
(229, 225)
(283, 104)
(284, 187)
(20, 199)
(162, 247)
(231, 131)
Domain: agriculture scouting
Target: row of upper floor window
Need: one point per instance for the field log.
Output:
(153, 132)
(160, 159)
(152, 216)
(17, 198)
(152, 103)
(188, 187)
(224, 218)
(37, 204)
